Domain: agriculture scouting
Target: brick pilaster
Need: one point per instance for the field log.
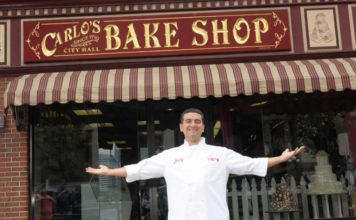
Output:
(14, 165)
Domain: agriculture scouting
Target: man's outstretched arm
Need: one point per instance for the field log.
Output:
(285, 156)
(104, 170)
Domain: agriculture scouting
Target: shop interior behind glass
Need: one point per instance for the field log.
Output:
(66, 138)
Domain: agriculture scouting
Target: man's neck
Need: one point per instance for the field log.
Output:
(193, 142)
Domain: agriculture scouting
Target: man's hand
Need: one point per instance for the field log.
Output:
(103, 170)
(287, 154)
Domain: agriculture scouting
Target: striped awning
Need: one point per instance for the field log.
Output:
(183, 81)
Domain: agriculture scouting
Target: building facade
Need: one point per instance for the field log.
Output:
(85, 84)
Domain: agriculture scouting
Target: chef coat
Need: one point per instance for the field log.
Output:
(196, 178)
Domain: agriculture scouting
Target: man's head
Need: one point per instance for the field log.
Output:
(192, 125)
(191, 110)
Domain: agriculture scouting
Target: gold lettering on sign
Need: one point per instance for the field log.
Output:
(131, 37)
(223, 30)
(52, 40)
(112, 34)
(200, 31)
(240, 32)
(137, 36)
(258, 29)
(47, 52)
(171, 29)
(151, 35)
(149, 38)
(96, 26)
(238, 27)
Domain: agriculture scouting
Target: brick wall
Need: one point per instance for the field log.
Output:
(14, 165)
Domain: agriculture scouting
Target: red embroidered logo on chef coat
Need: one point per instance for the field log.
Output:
(213, 159)
(178, 160)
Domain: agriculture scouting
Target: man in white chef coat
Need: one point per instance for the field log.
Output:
(196, 173)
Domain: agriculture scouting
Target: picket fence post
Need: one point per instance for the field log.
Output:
(245, 195)
(294, 191)
(264, 198)
(344, 197)
(304, 197)
(235, 201)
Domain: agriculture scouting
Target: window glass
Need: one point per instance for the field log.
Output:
(67, 139)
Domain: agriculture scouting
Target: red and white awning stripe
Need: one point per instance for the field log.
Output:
(183, 81)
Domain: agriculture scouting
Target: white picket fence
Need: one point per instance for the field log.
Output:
(250, 201)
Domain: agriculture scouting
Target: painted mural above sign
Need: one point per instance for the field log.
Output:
(155, 35)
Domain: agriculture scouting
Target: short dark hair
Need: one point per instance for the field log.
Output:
(194, 110)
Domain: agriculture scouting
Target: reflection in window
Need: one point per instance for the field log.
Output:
(67, 139)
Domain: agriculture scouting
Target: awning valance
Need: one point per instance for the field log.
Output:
(183, 81)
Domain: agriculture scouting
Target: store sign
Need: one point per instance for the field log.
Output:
(156, 35)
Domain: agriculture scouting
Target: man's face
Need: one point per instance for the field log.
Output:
(192, 127)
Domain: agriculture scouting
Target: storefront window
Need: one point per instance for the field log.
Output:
(60, 152)
(324, 122)
(68, 138)
(65, 139)
(266, 125)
